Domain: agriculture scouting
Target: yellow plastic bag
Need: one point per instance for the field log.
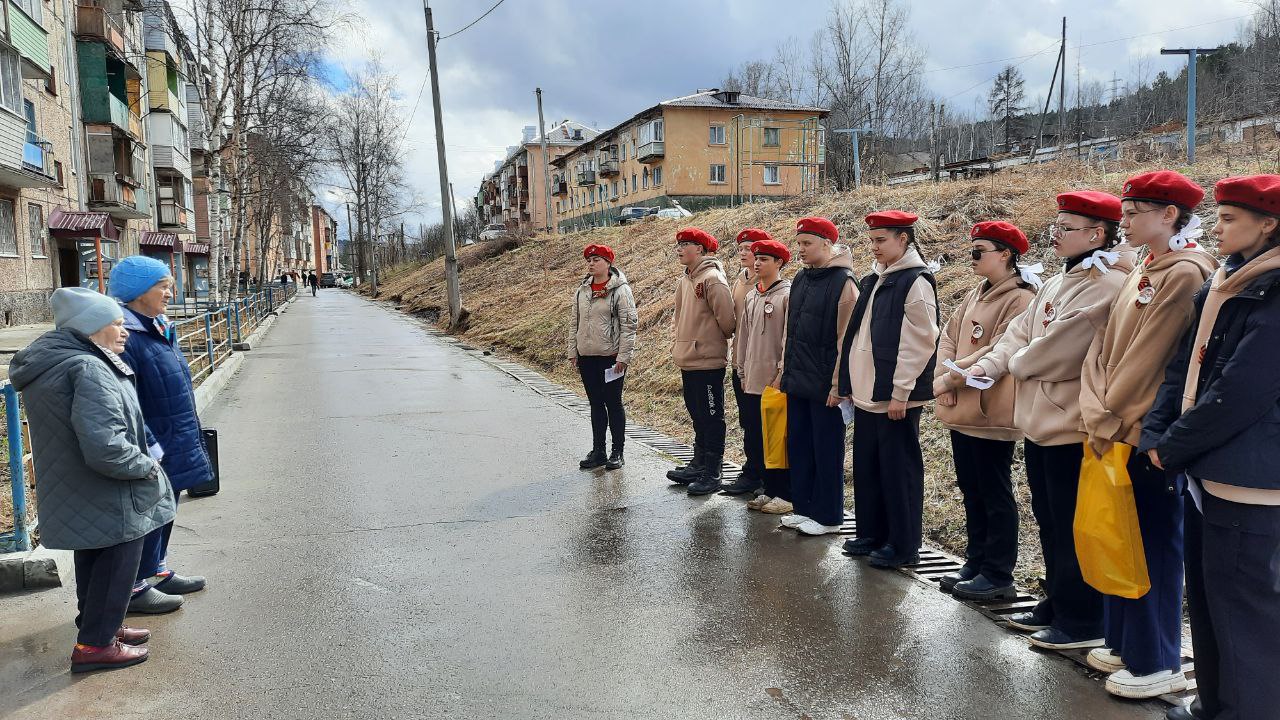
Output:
(773, 416)
(1108, 540)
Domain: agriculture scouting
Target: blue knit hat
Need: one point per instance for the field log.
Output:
(83, 310)
(134, 275)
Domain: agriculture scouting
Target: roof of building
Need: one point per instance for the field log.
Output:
(75, 223)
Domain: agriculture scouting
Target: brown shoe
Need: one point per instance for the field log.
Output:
(86, 658)
(132, 636)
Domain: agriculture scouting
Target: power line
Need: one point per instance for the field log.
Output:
(473, 22)
(1161, 32)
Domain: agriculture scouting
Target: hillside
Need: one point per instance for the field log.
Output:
(519, 300)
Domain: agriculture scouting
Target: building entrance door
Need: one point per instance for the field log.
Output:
(68, 267)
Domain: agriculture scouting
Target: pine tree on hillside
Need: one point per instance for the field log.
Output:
(1006, 102)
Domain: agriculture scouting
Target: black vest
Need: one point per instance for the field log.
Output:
(809, 358)
(886, 333)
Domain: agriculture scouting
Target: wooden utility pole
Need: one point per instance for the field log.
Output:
(1061, 65)
(933, 141)
(446, 205)
(546, 162)
(1062, 91)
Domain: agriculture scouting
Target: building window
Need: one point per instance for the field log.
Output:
(717, 135)
(32, 8)
(633, 182)
(8, 232)
(35, 226)
(614, 187)
(10, 81)
(651, 132)
(645, 181)
(771, 176)
(717, 174)
(657, 177)
(772, 137)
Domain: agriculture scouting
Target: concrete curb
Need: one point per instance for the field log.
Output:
(209, 389)
(35, 569)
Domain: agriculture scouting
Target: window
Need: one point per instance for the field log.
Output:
(717, 174)
(633, 182)
(772, 137)
(615, 188)
(651, 132)
(35, 226)
(657, 176)
(8, 232)
(32, 8)
(717, 135)
(10, 81)
(771, 176)
(29, 112)
(645, 183)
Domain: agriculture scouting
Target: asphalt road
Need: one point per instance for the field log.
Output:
(403, 533)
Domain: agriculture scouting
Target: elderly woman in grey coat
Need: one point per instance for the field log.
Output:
(99, 490)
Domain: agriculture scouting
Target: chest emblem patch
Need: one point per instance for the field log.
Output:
(700, 290)
(1050, 312)
(977, 333)
(1146, 293)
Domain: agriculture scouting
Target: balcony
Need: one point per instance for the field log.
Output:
(173, 217)
(111, 194)
(25, 161)
(609, 167)
(586, 177)
(651, 151)
(560, 187)
(95, 23)
(32, 42)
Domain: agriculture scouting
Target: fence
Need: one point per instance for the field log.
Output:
(207, 337)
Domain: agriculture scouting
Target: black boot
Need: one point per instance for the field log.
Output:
(615, 460)
(686, 474)
(709, 480)
(747, 482)
(593, 460)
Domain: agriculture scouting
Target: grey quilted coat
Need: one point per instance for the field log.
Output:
(96, 485)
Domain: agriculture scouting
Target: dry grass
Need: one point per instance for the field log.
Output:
(519, 300)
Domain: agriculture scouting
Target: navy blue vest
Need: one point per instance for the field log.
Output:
(809, 358)
(886, 333)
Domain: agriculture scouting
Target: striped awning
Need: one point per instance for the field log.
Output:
(161, 239)
(197, 248)
(79, 224)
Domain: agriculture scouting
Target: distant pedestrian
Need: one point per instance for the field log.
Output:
(314, 282)
(750, 478)
(704, 322)
(823, 295)
(168, 403)
(98, 489)
(284, 279)
(602, 339)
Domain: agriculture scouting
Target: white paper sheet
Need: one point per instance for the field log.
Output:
(846, 410)
(1197, 493)
(982, 383)
(610, 375)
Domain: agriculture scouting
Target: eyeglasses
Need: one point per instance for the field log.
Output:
(1058, 230)
(977, 253)
(687, 244)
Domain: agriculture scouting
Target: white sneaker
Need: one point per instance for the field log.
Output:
(1104, 660)
(813, 527)
(758, 501)
(778, 506)
(1124, 684)
(793, 521)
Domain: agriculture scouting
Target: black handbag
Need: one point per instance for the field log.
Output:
(210, 437)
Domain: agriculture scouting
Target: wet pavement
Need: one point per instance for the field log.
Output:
(403, 533)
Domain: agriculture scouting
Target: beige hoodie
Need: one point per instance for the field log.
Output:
(604, 325)
(1126, 362)
(1044, 348)
(742, 284)
(761, 337)
(704, 318)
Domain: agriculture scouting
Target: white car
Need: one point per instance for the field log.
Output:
(493, 231)
(674, 213)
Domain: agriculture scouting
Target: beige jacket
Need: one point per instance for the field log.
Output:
(604, 325)
(973, 330)
(704, 318)
(918, 342)
(742, 284)
(762, 335)
(1126, 362)
(1044, 348)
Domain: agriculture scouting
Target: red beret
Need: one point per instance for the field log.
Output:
(1091, 204)
(600, 251)
(752, 235)
(891, 219)
(1260, 193)
(819, 226)
(700, 236)
(1166, 187)
(772, 248)
(1002, 232)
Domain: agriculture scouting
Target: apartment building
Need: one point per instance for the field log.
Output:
(324, 236)
(711, 148)
(514, 194)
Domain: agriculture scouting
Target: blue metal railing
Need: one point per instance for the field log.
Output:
(20, 539)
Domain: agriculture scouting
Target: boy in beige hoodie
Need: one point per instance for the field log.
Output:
(704, 321)
(1044, 350)
(751, 478)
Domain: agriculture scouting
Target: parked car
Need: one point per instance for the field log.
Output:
(328, 280)
(493, 231)
(635, 213)
(673, 213)
(345, 281)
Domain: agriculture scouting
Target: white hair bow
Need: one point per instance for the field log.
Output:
(1101, 259)
(1030, 274)
(933, 266)
(1187, 235)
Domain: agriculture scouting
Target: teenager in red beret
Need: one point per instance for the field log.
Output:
(704, 321)
(1044, 349)
(602, 337)
(823, 294)
(1216, 419)
(1122, 371)
(981, 420)
(751, 478)
(758, 364)
(889, 352)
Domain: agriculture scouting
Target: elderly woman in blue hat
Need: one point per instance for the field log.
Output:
(144, 286)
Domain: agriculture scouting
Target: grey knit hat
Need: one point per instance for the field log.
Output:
(83, 310)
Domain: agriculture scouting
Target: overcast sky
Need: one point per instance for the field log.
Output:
(600, 62)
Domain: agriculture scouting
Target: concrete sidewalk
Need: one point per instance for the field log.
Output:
(403, 533)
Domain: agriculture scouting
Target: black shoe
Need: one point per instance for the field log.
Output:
(615, 460)
(861, 546)
(593, 460)
(981, 589)
(887, 557)
(1185, 712)
(743, 485)
(709, 480)
(686, 474)
(176, 584)
(949, 580)
(1028, 621)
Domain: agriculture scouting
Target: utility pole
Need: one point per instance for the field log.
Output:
(1191, 54)
(446, 205)
(933, 141)
(1060, 65)
(453, 203)
(1062, 90)
(546, 162)
(857, 158)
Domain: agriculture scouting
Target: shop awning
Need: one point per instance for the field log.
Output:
(79, 224)
(197, 248)
(166, 240)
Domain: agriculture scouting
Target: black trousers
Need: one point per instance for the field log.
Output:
(104, 584)
(777, 483)
(1242, 586)
(984, 472)
(1071, 605)
(704, 399)
(1147, 631)
(888, 479)
(155, 549)
(605, 400)
(1204, 642)
(815, 451)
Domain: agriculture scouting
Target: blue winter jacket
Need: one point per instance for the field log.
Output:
(168, 400)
